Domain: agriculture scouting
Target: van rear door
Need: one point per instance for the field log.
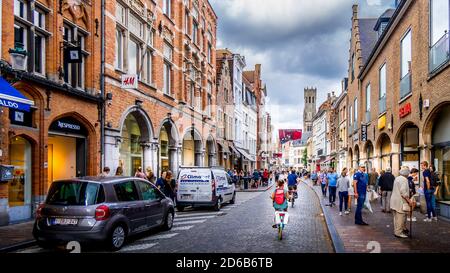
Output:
(194, 185)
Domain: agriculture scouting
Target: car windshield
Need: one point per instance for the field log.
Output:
(75, 194)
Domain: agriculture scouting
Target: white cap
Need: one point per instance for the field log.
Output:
(362, 165)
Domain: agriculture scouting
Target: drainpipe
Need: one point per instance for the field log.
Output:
(102, 88)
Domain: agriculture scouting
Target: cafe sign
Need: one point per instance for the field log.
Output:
(405, 110)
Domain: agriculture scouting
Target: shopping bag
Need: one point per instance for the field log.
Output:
(367, 204)
(373, 196)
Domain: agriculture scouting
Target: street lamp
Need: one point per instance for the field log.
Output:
(18, 57)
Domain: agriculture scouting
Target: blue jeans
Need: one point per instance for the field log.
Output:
(324, 189)
(343, 198)
(359, 207)
(430, 198)
(332, 192)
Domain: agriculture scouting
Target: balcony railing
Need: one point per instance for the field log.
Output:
(439, 52)
(382, 104)
(405, 86)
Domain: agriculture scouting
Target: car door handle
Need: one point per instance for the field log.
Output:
(148, 206)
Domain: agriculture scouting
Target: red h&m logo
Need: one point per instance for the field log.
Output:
(405, 110)
(129, 81)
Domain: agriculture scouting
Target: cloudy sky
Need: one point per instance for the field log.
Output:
(299, 43)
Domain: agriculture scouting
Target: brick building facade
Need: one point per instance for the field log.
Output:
(168, 120)
(59, 137)
(401, 89)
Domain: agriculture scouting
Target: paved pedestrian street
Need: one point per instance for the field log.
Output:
(245, 227)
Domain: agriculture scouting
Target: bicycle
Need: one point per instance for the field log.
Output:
(281, 219)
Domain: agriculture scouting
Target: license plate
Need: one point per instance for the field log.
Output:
(187, 197)
(65, 221)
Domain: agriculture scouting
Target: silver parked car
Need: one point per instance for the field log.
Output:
(101, 209)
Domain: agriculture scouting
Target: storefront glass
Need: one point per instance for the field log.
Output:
(409, 148)
(19, 189)
(131, 152)
(441, 153)
(385, 153)
(164, 150)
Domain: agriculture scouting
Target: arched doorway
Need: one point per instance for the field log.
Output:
(168, 150)
(135, 140)
(210, 152)
(440, 138)
(350, 158)
(192, 148)
(408, 137)
(20, 188)
(357, 157)
(385, 148)
(67, 149)
(369, 155)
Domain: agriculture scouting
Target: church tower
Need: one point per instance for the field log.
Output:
(310, 109)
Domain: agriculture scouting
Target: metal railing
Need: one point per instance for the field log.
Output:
(405, 86)
(382, 105)
(439, 52)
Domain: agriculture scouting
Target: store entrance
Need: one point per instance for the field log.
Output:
(67, 144)
(19, 189)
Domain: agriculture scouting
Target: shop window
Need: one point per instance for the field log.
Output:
(19, 189)
(30, 32)
(74, 73)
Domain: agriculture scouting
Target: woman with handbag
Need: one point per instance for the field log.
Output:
(401, 203)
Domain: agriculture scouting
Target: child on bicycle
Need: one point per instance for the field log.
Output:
(280, 197)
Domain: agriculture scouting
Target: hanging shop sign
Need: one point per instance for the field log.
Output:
(382, 122)
(364, 132)
(405, 110)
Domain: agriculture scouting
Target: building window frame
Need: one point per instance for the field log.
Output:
(75, 74)
(438, 44)
(382, 88)
(405, 69)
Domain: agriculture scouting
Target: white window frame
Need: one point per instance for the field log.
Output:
(404, 68)
(167, 7)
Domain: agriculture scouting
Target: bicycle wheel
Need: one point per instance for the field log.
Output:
(280, 233)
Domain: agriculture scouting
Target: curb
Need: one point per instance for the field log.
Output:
(338, 245)
(18, 246)
(263, 190)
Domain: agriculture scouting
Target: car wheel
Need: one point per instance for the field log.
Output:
(233, 200)
(168, 222)
(117, 237)
(218, 204)
(180, 208)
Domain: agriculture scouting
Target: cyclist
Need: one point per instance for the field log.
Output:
(280, 198)
(292, 183)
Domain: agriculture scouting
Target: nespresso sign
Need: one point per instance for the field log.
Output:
(67, 125)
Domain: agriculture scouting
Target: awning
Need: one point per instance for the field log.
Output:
(233, 150)
(11, 98)
(247, 155)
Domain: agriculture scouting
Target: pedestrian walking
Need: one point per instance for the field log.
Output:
(119, 171)
(343, 184)
(150, 175)
(400, 203)
(436, 183)
(140, 174)
(373, 179)
(160, 183)
(332, 178)
(429, 191)
(323, 183)
(170, 186)
(386, 184)
(106, 171)
(360, 186)
(412, 179)
(351, 190)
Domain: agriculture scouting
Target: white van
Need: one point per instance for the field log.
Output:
(204, 187)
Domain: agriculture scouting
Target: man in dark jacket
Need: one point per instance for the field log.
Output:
(386, 184)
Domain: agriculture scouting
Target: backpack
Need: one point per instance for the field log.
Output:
(279, 196)
(435, 179)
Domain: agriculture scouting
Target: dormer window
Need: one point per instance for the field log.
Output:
(382, 28)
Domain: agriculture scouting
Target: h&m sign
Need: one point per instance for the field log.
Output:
(129, 81)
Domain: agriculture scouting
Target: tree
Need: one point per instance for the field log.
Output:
(305, 158)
